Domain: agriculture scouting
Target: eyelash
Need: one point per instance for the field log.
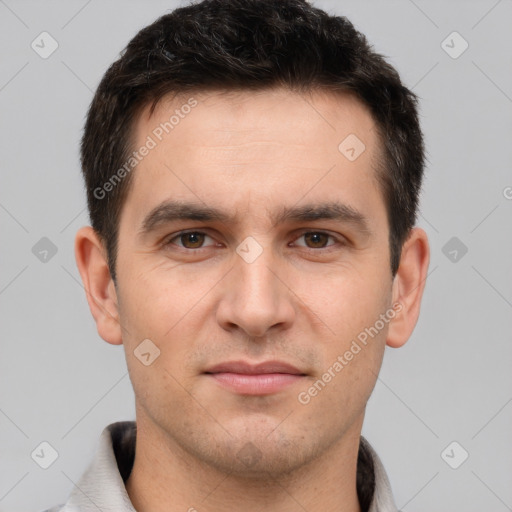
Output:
(168, 241)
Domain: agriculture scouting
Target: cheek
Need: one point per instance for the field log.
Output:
(344, 383)
(348, 302)
(165, 304)
(352, 358)
(158, 298)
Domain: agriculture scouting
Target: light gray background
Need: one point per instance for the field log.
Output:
(60, 383)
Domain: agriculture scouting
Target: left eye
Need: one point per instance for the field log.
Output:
(319, 239)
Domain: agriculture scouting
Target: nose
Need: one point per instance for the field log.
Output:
(256, 297)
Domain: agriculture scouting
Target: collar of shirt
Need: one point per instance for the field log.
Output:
(101, 487)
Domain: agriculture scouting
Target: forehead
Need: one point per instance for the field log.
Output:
(312, 118)
(267, 145)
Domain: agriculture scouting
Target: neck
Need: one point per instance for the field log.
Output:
(166, 478)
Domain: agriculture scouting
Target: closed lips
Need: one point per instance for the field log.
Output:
(242, 367)
(266, 378)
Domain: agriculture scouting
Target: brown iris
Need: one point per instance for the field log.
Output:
(195, 239)
(319, 240)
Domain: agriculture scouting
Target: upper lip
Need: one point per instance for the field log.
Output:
(254, 369)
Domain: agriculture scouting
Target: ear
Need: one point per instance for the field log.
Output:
(408, 286)
(99, 287)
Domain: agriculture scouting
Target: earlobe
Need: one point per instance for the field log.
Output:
(408, 286)
(100, 290)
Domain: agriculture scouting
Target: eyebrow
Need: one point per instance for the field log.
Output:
(173, 211)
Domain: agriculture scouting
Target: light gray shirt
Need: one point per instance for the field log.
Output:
(102, 486)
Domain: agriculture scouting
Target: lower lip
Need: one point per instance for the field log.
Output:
(260, 384)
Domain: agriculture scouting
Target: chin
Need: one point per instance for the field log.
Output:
(258, 453)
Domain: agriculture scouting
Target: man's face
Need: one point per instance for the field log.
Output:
(251, 287)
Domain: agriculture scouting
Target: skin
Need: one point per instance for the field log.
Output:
(303, 301)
